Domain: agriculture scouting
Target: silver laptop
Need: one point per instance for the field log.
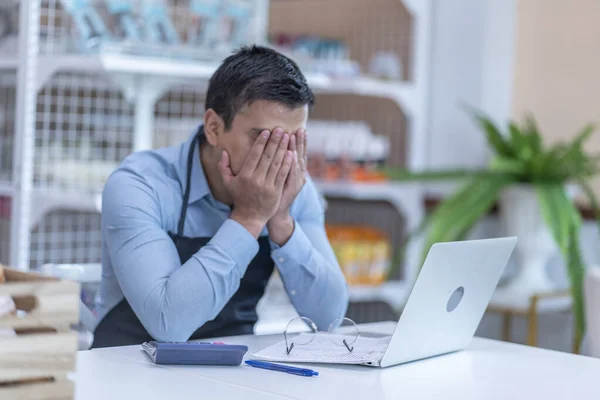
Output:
(441, 315)
(448, 299)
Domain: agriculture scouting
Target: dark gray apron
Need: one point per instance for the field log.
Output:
(121, 327)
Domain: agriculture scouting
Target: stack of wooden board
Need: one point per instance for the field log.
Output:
(37, 346)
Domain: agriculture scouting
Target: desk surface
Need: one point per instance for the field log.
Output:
(486, 369)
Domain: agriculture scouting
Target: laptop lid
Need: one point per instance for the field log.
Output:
(448, 299)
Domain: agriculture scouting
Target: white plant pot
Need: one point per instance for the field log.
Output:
(522, 217)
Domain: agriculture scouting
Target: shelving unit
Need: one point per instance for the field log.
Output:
(101, 107)
(396, 109)
(395, 193)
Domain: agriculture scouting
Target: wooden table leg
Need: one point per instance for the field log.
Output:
(576, 341)
(532, 322)
(506, 326)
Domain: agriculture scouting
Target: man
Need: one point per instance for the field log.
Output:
(192, 233)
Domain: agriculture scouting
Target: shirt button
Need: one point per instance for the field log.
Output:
(281, 259)
(293, 292)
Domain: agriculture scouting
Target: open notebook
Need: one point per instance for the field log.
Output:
(323, 350)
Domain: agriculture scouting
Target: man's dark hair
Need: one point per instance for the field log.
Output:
(256, 73)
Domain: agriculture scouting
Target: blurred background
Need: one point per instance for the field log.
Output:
(83, 83)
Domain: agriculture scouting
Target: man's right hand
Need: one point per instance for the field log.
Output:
(257, 189)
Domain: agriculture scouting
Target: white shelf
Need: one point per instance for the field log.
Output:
(48, 200)
(115, 63)
(403, 93)
(176, 69)
(399, 194)
(6, 189)
(8, 63)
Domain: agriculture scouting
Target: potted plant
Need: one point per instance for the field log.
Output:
(533, 185)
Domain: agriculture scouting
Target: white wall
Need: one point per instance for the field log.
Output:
(472, 49)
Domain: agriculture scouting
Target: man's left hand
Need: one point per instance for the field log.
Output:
(281, 226)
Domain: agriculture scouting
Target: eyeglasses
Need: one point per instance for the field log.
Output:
(341, 332)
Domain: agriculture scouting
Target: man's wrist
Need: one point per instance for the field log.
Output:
(252, 225)
(281, 228)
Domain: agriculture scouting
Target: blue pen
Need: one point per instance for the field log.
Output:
(282, 368)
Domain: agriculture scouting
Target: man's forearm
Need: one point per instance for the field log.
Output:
(317, 291)
(281, 228)
(313, 279)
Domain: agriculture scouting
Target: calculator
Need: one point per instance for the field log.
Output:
(195, 353)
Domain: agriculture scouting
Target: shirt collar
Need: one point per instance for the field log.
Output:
(199, 184)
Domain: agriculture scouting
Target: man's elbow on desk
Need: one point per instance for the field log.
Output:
(162, 328)
(333, 307)
(166, 320)
(165, 335)
(343, 303)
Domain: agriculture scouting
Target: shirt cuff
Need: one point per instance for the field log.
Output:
(237, 242)
(296, 250)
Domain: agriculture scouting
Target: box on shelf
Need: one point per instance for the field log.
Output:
(37, 347)
(364, 253)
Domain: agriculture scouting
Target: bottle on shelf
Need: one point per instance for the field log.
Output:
(346, 150)
(364, 253)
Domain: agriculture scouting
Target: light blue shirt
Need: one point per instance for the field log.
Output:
(142, 201)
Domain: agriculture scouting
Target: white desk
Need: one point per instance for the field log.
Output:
(487, 369)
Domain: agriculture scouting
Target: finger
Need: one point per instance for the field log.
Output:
(284, 171)
(278, 159)
(293, 141)
(256, 151)
(293, 173)
(269, 153)
(301, 144)
(305, 150)
(225, 168)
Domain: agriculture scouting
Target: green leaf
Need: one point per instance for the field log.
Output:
(446, 209)
(589, 192)
(520, 143)
(478, 210)
(564, 222)
(507, 165)
(576, 270)
(532, 132)
(583, 135)
(516, 137)
(402, 174)
(573, 161)
(556, 216)
(551, 168)
(494, 137)
(538, 169)
(454, 217)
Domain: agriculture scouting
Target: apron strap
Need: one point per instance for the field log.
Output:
(186, 196)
